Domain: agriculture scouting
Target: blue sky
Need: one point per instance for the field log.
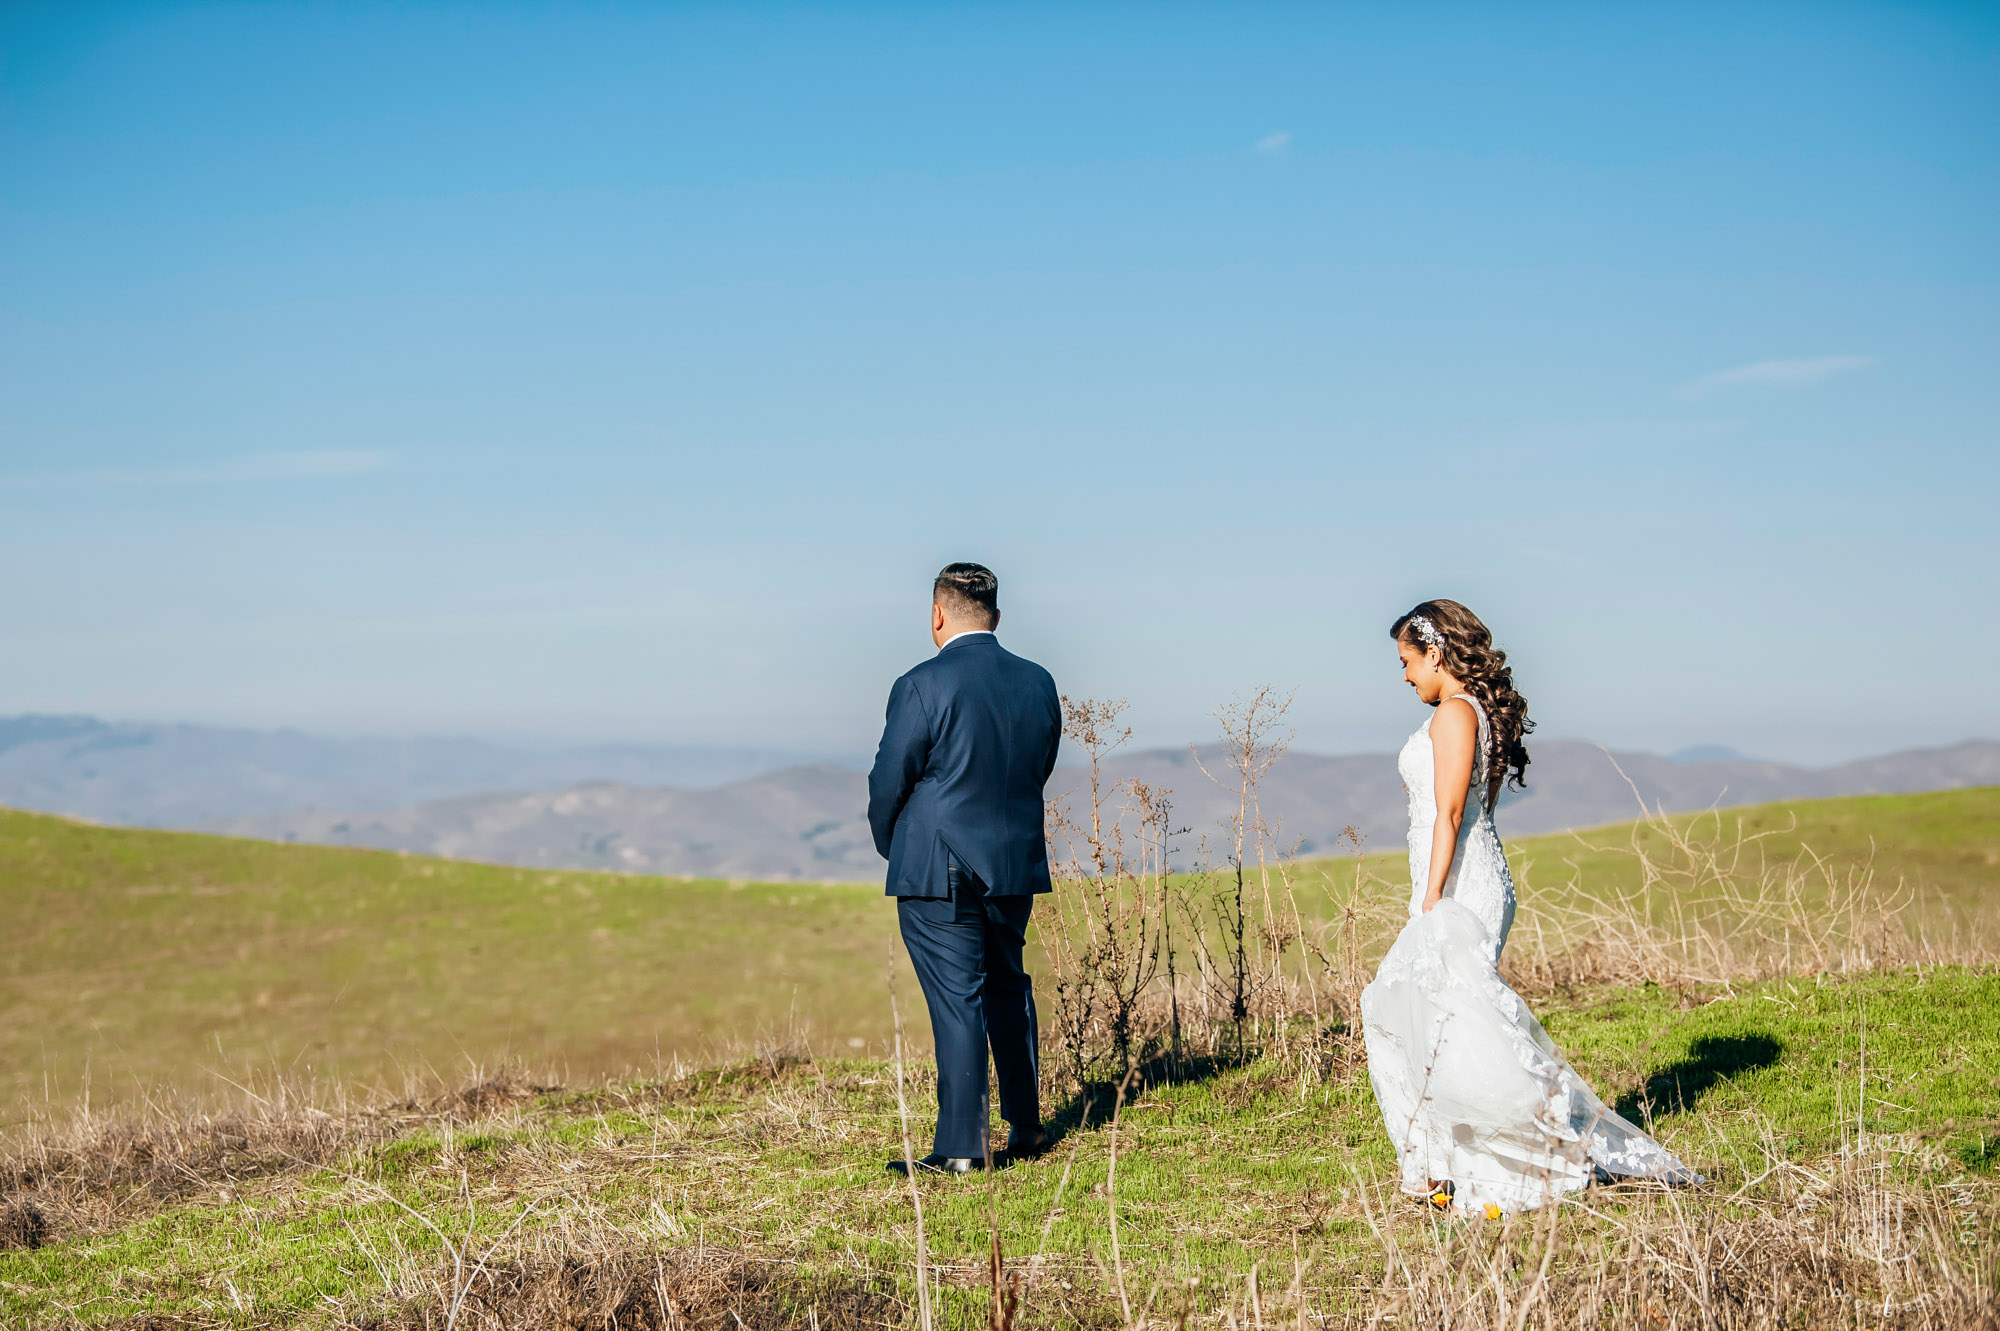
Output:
(625, 372)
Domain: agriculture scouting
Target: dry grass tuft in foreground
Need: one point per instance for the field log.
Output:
(92, 1172)
(1851, 1242)
(96, 1171)
(22, 1226)
(649, 1289)
(1244, 1195)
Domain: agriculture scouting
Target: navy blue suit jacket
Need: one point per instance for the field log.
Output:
(970, 742)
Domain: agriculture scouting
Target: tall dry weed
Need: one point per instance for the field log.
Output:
(1109, 931)
(1154, 965)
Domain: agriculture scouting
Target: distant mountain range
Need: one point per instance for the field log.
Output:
(1310, 797)
(808, 823)
(746, 813)
(799, 823)
(145, 775)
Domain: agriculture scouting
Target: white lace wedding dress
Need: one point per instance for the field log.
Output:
(1471, 1087)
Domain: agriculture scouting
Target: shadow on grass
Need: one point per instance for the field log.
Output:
(1712, 1059)
(1094, 1106)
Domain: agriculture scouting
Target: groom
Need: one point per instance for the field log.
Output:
(955, 802)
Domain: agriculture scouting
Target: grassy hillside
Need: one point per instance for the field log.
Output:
(1843, 1125)
(137, 958)
(1943, 847)
(1845, 1121)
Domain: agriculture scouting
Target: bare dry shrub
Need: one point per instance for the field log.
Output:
(1254, 932)
(1110, 900)
(1152, 967)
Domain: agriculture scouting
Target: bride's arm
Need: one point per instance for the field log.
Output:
(1454, 737)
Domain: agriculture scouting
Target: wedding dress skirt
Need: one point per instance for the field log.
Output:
(1470, 1086)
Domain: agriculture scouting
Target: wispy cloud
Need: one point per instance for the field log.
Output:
(319, 464)
(1273, 143)
(324, 462)
(1778, 374)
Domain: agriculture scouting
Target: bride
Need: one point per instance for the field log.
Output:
(1485, 1114)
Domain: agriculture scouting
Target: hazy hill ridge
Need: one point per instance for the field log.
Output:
(149, 775)
(807, 822)
(799, 823)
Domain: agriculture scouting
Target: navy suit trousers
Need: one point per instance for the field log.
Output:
(966, 949)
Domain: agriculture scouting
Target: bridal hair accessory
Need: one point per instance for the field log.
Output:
(1427, 631)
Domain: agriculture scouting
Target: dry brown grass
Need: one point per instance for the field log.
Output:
(1847, 1242)
(90, 1172)
(1710, 907)
(648, 1289)
(1866, 1237)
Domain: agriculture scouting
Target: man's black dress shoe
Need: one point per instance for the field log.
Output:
(940, 1164)
(1027, 1143)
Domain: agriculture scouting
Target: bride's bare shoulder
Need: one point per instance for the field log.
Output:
(1455, 719)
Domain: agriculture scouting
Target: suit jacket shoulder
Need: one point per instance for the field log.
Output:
(970, 738)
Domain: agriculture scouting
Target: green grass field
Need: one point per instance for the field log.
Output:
(1215, 1173)
(1944, 845)
(1941, 849)
(142, 959)
(147, 960)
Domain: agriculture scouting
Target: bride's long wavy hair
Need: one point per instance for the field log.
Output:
(1471, 657)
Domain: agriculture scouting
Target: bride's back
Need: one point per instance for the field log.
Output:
(1479, 878)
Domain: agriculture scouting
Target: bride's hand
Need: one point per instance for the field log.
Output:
(1432, 899)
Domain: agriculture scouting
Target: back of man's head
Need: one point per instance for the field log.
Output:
(968, 593)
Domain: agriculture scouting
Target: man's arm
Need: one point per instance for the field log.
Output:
(899, 762)
(1055, 732)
